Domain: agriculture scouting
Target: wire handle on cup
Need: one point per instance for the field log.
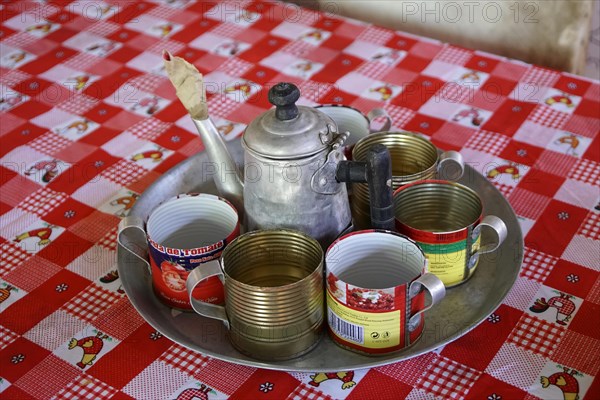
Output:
(211, 268)
(378, 113)
(436, 290)
(499, 228)
(132, 241)
(453, 158)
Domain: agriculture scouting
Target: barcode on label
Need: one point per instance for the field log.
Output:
(345, 329)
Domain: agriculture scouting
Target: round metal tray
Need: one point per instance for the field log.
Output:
(463, 308)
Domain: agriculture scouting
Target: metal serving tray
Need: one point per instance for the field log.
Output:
(463, 308)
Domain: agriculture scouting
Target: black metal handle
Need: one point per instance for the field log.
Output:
(284, 97)
(377, 173)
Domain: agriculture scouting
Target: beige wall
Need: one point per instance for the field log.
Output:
(553, 33)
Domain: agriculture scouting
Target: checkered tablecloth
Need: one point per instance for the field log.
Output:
(84, 103)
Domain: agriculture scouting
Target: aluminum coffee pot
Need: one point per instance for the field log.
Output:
(291, 155)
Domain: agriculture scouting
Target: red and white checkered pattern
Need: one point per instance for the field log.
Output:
(453, 55)
(374, 69)
(7, 337)
(452, 92)
(537, 335)
(78, 103)
(591, 226)
(488, 142)
(540, 77)
(109, 241)
(587, 171)
(235, 66)
(91, 302)
(298, 48)
(185, 360)
(223, 107)
(163, 12)
(42, 201)
(228, 30)
(447, 378)
(50, 143)
(537, 265)
(124, 172)
(147, 82)
(555, 163)
(307, 392)
(174, 46)
(506, 190)
(165, 369)
(528, 204)
(376, 35)
(82, 61)
(547, 116)
(149, 128)
(86, 387)
(11, 256)
(13, 77)
(104, 28)
(20, 40)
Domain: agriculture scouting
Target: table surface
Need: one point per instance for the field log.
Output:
(89, 120)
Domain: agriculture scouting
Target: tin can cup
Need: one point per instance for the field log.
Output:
(273, 283)
(184, 233)
(376, 286)
(413, 158)
(359, 125)
(446, 219)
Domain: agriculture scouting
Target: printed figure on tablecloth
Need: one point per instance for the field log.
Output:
(76, 128)
(388, 56)
(510, 168)
(127, 202)
(561, 101)
(91, 346)
(466, 77)
(569, 143)
(230, 48)
(165, 29)
(154, 155)
(381, 91)
(41, 234)
(562, 303)
(9, 294)
(241, 90)
(471, 117)
(6, 291)
(102, 49)
(346, 377)
(15, 59)
(42, 29)
(48, 169)
(229, 130)
(196, 391)
(149, 104)
(314, 36)
(303, 68)
(12, 99)
(141, 103)
(566, 381)
(111, 281)
(37, 235)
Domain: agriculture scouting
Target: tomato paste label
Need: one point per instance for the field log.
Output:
(449, 261)
(364, 330)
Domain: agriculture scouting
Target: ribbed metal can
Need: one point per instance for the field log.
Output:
(273, 281)
(445, 219)
(413, 158)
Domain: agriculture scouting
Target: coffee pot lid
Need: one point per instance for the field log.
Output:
(288, 131)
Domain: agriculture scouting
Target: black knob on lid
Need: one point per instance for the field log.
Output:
(284, 97)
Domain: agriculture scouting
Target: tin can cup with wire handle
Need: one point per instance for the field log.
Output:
(377, 283)
(446, 220)
(274, 300)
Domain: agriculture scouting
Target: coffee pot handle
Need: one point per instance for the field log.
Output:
(211, 268)
(132, 244)
(436, 290)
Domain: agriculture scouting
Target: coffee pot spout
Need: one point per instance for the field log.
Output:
(225, 172)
